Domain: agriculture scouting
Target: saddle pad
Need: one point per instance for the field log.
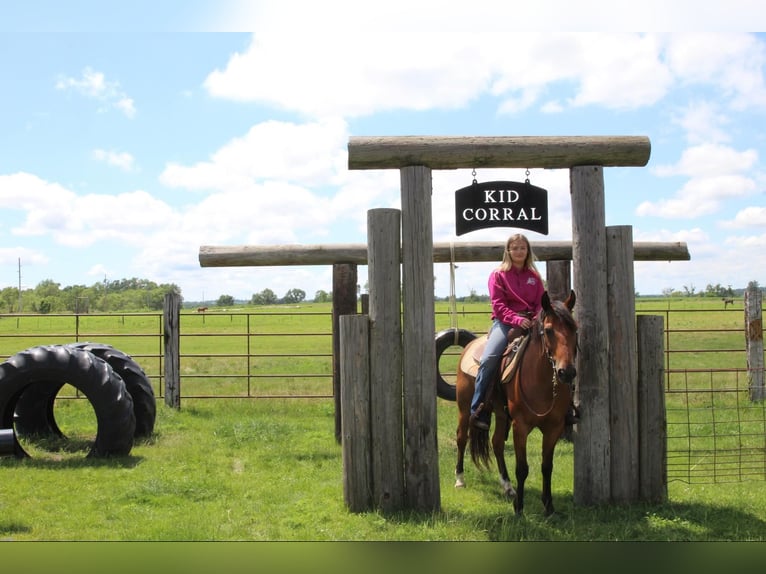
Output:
(470, 363)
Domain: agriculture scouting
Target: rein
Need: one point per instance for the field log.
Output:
(555, 380)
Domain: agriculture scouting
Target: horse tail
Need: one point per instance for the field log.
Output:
(478, 443)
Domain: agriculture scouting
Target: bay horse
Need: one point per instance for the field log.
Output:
(537, 395)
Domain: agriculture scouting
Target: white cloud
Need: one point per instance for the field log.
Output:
(93, 85)
(731, 62)
(703, 122)
(715, 173)
(122, 160)
(309, 154)
(748, 217)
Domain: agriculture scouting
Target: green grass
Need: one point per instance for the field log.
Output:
(271, 470)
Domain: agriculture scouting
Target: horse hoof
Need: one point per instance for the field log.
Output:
(459, 481)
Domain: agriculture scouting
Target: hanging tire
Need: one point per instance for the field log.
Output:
(444, 340)
(93, 376)
(34, 408)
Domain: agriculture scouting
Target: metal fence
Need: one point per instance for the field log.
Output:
(715, 432)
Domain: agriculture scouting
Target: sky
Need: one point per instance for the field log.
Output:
(132, 134)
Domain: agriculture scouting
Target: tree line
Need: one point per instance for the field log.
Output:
(120, 295)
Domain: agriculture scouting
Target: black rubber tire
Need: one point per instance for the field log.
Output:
(33, 413)
(444, 340)
(136, 381)
(34, 408)
(92, 376)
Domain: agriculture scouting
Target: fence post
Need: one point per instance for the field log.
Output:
(591, 445)
(343, 303)
(355, 411)
(623, 395)
(172, 331)
(754, 341)
(421, 458)
(652, 421)
(387, 442)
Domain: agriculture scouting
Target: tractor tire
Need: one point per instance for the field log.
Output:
(444, 340)
(92, 376)
(34, 408)
(136, 381)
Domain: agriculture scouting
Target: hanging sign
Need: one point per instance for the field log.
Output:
(501, 204)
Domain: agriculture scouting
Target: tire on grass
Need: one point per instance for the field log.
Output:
(34, 408)
(92, 376)
(136, 381)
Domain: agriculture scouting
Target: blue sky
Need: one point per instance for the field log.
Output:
(134, 133)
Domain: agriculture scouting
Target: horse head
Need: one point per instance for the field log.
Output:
(558, 331)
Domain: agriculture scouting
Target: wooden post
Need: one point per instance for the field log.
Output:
(652, 430)
(591, 445)
(559, 283)
(343, 303)
(172, 332)
(355, 411)
(558, 278)
(754, 342)
(383, 236)
(623, 371)
(421, 460)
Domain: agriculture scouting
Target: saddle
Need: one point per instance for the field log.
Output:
(508, 363)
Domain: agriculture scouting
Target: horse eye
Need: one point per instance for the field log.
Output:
(549, 331)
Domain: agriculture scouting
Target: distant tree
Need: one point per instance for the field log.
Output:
(689, 290)
(322, 296)
(225, 301)
(9, 297)
(667, 291)
(294, 296)
(265, 297)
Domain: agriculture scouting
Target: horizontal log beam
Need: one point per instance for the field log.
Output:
(454, 152)
(287, 255)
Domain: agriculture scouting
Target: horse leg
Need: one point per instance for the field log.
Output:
(498, 446)
(522, 468)
(550, 438)
(464, 392)
(461, 437)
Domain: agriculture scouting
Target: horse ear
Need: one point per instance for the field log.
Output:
(570, 302)
(546, 301)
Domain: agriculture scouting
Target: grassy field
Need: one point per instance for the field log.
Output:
(270, 469)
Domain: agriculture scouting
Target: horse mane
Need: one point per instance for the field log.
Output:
(561, 312)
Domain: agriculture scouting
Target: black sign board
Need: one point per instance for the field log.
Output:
(501, 204)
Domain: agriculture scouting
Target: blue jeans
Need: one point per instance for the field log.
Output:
(497, 341)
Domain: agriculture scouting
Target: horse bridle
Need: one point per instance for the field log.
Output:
(555, 380)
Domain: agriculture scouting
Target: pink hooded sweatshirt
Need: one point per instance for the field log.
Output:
(514, 293)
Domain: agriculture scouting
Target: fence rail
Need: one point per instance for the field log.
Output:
(715, 432)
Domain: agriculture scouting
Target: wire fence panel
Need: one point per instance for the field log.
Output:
(715, 432)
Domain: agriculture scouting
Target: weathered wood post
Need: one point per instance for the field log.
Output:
(592, 482)
(172, 332)
(421, 462)
(343, 303)
(623, 371)
(355, 412)
(652, 429)
(383, 237)
(754, 341)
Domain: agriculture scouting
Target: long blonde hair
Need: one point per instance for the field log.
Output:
(529, 262)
